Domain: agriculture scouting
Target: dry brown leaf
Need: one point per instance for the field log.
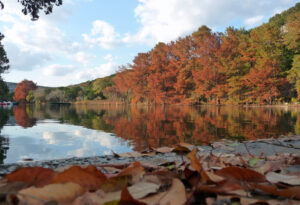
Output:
(127, 199)
(13, 187)
(116, 183)
(163, 149)
(33, 176)
(90, 177)
(62, 193)
(128, 154)
(176, 195)
(288, 179)
(291, 192)
(195, 163)
(226, 188)
(183, 147)
(142, 189)
(135, 170)
(112, 169)
(137, 191)
(238, 174)
(205, 176)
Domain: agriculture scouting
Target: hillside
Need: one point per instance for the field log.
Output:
(12, 86)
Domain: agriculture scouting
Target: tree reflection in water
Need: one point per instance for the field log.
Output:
(4, 142)
(166, 126)
(24, 116)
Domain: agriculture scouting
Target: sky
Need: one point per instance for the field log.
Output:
(86, 39)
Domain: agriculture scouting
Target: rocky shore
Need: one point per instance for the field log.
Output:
(265, 147)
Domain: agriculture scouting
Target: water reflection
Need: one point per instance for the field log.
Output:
(54, 131)
(23, 115)
(161, 126)
(4, 142)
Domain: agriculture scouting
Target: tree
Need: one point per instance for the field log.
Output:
(3, 67)
(3, 57)
(33, 7)
(22, 90)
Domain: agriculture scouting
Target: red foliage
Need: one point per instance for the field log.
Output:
(23, 89)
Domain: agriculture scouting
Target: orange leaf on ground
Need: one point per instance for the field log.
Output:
(90, 177)
(127, 199)
(240, 175)
(291, 192)
(205, 176)
(195, 163)
(33, 176)
(176, 195)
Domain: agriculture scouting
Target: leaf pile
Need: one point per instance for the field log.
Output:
(197, 179)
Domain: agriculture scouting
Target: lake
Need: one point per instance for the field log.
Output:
(56, 131)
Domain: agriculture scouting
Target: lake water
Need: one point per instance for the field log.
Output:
(52, 131)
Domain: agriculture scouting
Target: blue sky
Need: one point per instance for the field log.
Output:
(86, 39)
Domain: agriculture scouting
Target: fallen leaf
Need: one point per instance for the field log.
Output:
(135, 170)
(142, 189)
(33, 176)
(112, 169)
(116, 183)
(127, 199)
(61, 193)
(176, 195)
(128, 154)
(12, 187)
(238, 174)
(90, 177)
(195, 163)
(137, 191)
(291, 192)
(183, 147)
(205, 176)
(226, 188)
(288, 179)
(163, 149)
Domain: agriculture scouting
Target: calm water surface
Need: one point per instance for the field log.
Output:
(51, 132)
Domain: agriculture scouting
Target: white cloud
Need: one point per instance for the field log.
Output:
(84, 58)
(103, 35)
(254, 21)
(58, 70)
(108, 57)
(98, 72)
(167, 20)
(32, 44)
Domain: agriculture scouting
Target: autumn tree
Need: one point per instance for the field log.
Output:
(22, 90)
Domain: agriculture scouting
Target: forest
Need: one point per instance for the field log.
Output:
(239, 66)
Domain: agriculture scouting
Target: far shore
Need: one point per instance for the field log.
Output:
(104, 102)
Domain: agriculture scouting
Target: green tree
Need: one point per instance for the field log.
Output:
(294, 74)
(33, 7)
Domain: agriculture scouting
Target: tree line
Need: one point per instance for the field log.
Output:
(239, 66)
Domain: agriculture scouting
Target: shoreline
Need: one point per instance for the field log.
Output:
(289, 145)
(103, 102)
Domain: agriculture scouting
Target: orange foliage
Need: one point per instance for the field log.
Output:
(23, 89)
(22, 117)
